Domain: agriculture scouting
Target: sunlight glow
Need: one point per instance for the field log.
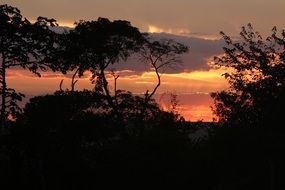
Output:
(182, 32)
(176, 31)
(154, 29)
(68, 24)
(192, 88)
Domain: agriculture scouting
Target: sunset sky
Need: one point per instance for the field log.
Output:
(196, 23)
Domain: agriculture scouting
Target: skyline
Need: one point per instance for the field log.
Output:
(194, 23)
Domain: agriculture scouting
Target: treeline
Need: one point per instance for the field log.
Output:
(85, 139)
(91, 46)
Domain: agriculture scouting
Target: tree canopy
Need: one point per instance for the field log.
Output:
(94, 45)
(256, 75)
(23, 44)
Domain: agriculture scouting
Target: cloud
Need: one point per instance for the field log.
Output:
(200, 52)
(202, 47)
(192, 88)
(21, 73)
(152, 29)
(174, 31)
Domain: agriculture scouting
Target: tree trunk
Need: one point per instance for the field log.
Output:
(3, 95)
(107, 93)
(73, 81)
(115, 89)
(158, 82)
(106, 89)
(149, 96)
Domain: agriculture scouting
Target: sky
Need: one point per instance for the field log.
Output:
(201, 17)
(196, 23)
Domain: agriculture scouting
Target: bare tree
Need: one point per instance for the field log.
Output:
(160, 55)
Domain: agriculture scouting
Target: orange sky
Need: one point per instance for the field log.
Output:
(192, 17)
(195, 23)
(192, 88)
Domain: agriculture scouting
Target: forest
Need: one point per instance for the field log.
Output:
(87, 139)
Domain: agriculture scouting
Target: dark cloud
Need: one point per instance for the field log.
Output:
(200, 50)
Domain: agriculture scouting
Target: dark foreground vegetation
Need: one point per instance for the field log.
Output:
(97, 138)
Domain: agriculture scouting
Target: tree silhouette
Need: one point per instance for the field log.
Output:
(95, 45)
(256, 78)
(161, 54)
(253, 105)
(26, 45)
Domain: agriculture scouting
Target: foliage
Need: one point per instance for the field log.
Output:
(75, 134)
(251, 137)
(69, 108)
(26, 45)
(256, 77)
(94, 45)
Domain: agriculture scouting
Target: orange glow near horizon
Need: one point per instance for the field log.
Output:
(69, 24)
(189, 110)
(192, 88)
(198, 113)
(181, 32)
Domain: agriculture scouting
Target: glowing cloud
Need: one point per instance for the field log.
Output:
(182, 32)
(176, 31)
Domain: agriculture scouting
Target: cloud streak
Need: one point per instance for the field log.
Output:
(201, 51)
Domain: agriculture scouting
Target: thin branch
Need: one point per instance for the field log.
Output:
(72, 80)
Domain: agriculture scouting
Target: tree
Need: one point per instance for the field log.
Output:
(256, 75)
(26, 45)
(161, 54)
(95, 45)
(254, 102)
